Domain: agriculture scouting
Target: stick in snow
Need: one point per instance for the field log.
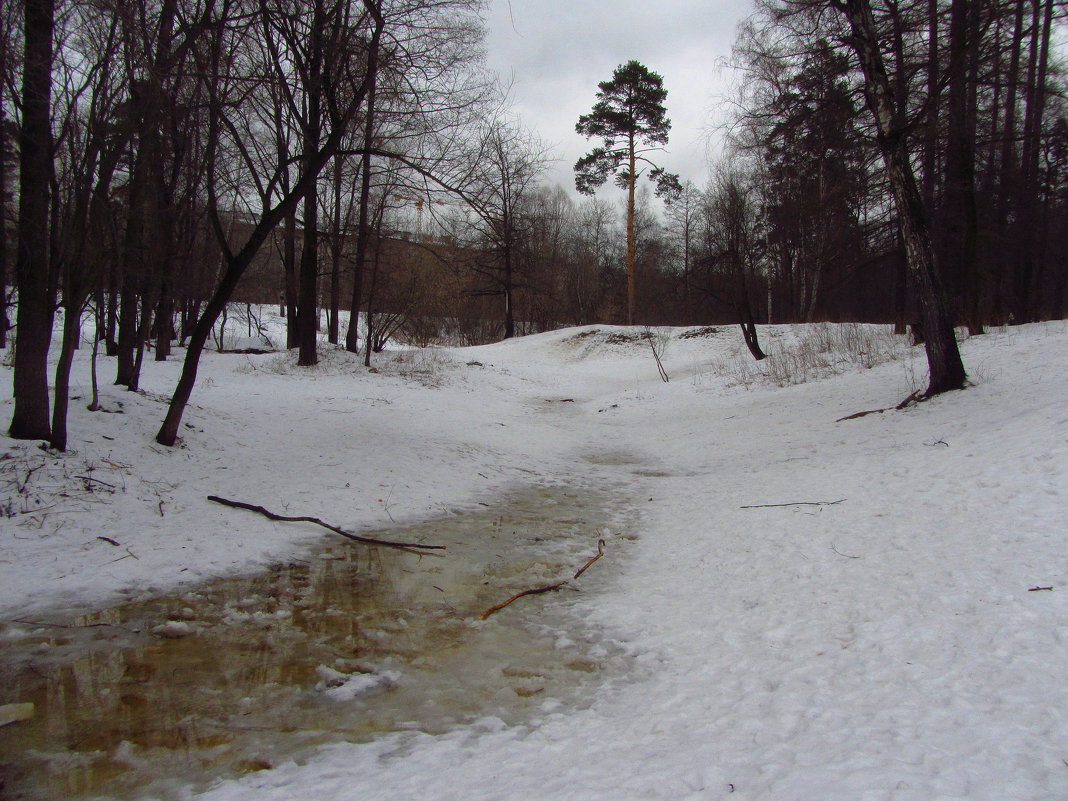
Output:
(306, 519)
(795, 503)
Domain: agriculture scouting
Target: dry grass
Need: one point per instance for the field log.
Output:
(812, 352)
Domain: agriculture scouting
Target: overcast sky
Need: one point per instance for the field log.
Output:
(555, 52)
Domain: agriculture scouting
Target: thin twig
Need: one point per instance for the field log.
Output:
(795, 503)
(409, 546)
(846, 555)
(97, 480)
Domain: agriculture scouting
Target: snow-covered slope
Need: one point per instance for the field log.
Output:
(815, 608)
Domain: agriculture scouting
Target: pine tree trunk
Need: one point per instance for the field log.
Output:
(1029, 275)
(630, 235)
(1008, 184)
(961, 221)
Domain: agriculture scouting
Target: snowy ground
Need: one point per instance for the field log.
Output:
(884, 644)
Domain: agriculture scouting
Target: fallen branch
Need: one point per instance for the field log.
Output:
(795, 503)
(548, 587)
(911, 400)
(1040, 589)
(406, 546)
(855, 415)
(518, 595)
(600, 553)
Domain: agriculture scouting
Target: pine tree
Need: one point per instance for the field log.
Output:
(630, 117)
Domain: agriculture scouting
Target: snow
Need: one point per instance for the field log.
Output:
(345, 686)
(881, 642)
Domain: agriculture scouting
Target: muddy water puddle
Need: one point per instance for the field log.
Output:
(341, 643)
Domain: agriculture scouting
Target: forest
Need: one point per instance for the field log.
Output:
(902, 162)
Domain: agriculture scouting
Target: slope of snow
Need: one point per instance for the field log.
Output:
(815, 608)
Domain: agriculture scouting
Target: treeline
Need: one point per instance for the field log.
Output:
(984, 118)
(799, 223)
(159, 159)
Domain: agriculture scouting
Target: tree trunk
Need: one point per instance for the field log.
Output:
(1026, 294)
(1008, 173)
(289, 265)
(335, 260)
(352, 334)
(749, 334)
(930, 145)
(30, 417)
(164, 323)
(961, 220)
(370, 343)
(508, 291)
(71, 332)
(308, 308)
(5, 324)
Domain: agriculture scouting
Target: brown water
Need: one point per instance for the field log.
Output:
(342, 643)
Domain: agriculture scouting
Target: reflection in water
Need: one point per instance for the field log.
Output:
(344, 643)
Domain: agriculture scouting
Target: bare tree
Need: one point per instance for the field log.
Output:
(90, 144)
(732, 251)
(892, 124)
(683, 224)
(504, 167)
